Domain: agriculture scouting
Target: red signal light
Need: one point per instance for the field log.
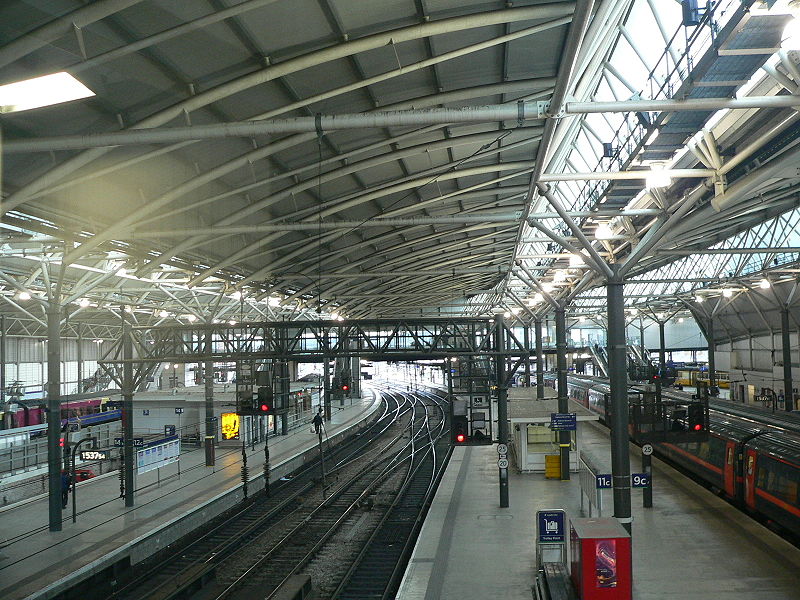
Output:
(345, 387)
(698, 427)
(61, 442)
(460, 438)
(264, 408)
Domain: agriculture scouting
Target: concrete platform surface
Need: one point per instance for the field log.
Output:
(691, 546)
(37, 563)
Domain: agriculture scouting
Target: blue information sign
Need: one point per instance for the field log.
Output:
(169, 430)
(563, 421)
(640, 480)
(146, 412)
(604, 481)
(550, 526)
(178, 411)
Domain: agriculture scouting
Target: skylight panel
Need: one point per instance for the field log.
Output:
(41, 91)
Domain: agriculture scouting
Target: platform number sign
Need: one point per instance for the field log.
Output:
(640, 480)
(603, 481)
(120, 442)
(178, 411)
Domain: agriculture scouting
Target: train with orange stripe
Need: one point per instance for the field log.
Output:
(754, 465)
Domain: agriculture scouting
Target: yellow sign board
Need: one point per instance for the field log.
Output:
(230, 426)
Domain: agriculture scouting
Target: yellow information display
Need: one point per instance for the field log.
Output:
(230, 426)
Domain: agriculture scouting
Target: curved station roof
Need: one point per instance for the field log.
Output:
(231, 160)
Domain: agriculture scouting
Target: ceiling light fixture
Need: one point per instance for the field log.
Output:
(576, 261)
(24, 296)
(41, 91)
(657, 178)
(727, 292)
(603, 232)
(764, 284)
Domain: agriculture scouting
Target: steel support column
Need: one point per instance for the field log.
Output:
(326, 387)
(54, 414)
(712, 346)
(526, 340)
(502, 406)
(662, 353)
(355, 378)
(787, 360)
(564, 437)
(127, 412)
(208, 382)
(617, 367)
(539, 360)
(79, 356)
(2, 359)
(642, 344)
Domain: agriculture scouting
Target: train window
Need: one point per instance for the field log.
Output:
(717, 450)
(778, 479)
(750, 463)
(729, 459)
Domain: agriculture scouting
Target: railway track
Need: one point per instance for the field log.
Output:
(337, 533)
(376, 572)
(373, 490)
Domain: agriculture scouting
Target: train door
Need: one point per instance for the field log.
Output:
(729, 473)
(750, 478)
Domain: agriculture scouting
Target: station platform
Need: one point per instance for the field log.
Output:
(691, 545)
(38, 564)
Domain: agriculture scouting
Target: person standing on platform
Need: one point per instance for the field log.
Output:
(317, 421)
(66, 481)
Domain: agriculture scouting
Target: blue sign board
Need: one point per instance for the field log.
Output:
(563, 421)
(146, 412)
(118, 442)
(550, 526)
(604, 481)
(169, 430)
(178, 411)
(640, 480)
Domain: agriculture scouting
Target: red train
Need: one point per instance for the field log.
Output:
(23, 414)
(754, 465)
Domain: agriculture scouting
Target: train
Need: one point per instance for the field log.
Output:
(753, 465)
(21, 413)
(691, 375)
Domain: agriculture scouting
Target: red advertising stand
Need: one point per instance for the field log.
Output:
(601, 559)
